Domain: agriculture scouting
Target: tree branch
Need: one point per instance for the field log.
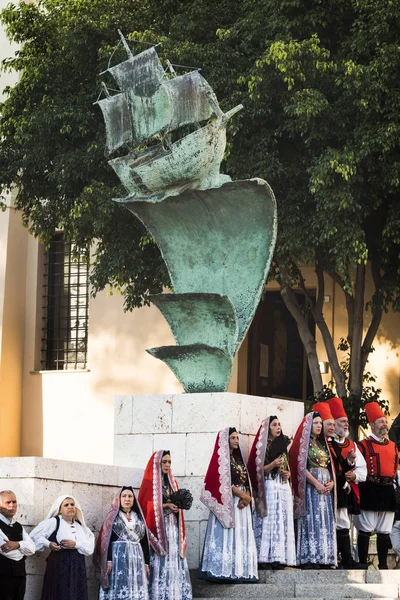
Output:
(376, 318)
(305, 334)
(337, 372)
(349, 299)
(355, 374)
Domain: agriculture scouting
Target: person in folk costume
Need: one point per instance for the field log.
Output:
(69, 540)
(268, 468)
(15, 546)
(229, 551)
(377, 493)
(313, 481)
(169, 573)
(348, 496)
(122, 550)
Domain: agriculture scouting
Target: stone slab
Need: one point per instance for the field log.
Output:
(132, 450)
(244, 590)
(390, 576)
(312, 577)
(176, 444)
(205, 413)
(350, 590)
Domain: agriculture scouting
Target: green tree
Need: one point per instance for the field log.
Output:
(321, 124)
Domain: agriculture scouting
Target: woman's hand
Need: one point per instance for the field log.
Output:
(329, 487)
(54, 547)
(321, 489)
(171, 506)
(147, 570)
(285, 475)
(109, 567)
(278, 462)
(244, 501)
(68, 544)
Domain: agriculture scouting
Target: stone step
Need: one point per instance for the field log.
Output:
(328, 590)
(329, 576)
(350, 590)
(318, 577)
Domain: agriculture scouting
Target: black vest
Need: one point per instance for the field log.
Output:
(9, 567)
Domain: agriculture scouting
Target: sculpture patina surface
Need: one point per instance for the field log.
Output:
(216, 236)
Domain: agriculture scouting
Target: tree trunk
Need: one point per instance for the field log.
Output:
(306, 336)
(334, 364)
(355, 368)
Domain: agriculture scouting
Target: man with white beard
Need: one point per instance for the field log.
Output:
(355, 476)
(377, 495)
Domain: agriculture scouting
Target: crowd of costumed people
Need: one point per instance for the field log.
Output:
(292, 504)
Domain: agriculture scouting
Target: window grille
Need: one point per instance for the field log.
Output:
(65, 307)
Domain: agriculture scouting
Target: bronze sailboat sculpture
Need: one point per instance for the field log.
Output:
(216, 235)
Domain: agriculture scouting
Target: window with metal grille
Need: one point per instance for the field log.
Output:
(65, 307)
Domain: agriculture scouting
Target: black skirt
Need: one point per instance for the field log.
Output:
(379, 498)
(65, 577)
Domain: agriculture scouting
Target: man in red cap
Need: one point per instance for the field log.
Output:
(348, 502)
(377, 495)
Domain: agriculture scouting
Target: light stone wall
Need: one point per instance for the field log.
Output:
(187, 425)
(37, 482)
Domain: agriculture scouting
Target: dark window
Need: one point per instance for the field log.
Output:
(65, 307)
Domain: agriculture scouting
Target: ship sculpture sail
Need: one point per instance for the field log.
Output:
(216, 235)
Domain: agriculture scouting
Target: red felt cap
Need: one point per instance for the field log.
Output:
(373, 411)
(323, 409)
(336, 406)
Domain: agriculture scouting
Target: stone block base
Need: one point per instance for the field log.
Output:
(187, 425)
(37, 482)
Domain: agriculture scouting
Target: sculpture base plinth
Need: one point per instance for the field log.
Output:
(187, 425)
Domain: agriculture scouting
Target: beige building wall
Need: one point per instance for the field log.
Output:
(69, 414)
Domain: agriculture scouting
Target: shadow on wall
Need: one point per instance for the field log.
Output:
(117, 349)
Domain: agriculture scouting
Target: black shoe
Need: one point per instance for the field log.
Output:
(351, 565)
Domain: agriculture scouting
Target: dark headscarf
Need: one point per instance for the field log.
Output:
(276, 447)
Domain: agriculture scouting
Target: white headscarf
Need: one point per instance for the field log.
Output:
(46, 526)
(55, 509)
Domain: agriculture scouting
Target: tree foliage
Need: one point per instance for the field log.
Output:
(319, 81)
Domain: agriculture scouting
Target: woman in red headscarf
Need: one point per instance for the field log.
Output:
(270, 476)
(313, 483)
(229, 552)
(169, 573)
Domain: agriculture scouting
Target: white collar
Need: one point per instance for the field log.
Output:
(6, 521)
(380, 440)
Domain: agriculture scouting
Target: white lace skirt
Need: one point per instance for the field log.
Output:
(169, 575)
(274, 533)
(230, 553)
(128, 579)
(316, 532)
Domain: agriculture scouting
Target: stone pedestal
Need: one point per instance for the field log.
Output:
(187, 425)
(38, 481)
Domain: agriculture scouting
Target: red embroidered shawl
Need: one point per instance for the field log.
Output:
(217, 487)
(151, 501)
(255, 467)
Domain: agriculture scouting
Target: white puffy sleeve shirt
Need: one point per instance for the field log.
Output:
(82, 536)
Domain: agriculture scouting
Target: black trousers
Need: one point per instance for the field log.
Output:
(12, 588)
